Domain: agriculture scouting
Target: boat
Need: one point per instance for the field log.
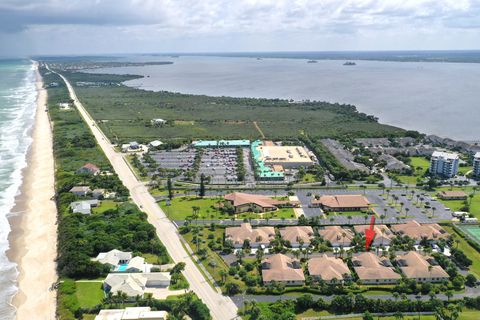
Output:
(349, 63)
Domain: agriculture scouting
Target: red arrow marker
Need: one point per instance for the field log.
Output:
(370, 233)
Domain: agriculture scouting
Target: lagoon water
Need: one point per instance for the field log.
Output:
(17, 112)
(431, 97)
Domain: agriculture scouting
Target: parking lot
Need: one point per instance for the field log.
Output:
(220, 165)
(174, 159)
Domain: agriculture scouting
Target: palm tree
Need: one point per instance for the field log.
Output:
(382, 217)
(433, 212)
(223, 275)
(449, 295)
(406, 211)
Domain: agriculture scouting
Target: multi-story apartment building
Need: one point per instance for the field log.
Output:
(444, 164)
(476, 165)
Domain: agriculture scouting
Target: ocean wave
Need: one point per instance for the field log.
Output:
(17, 107)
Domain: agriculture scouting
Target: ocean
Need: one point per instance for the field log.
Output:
(431, 97)
(17, 112)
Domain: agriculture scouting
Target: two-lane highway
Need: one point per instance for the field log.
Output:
(221, 307)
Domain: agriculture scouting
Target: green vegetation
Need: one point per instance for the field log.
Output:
(419, 167)
(89, 294)
(128, 112)
(307, 306)
(461, 244)
(105, 205)
(182, 208)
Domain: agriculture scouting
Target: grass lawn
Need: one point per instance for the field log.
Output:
(89, 294)
(308, 178)
(105, 205)
(89, 317)
(151, 258)
(471, 253)
(181, 208)
(420, 166)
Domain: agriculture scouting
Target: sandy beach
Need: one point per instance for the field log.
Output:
(33, 238)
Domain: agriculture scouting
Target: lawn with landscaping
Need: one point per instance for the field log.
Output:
(210, 208)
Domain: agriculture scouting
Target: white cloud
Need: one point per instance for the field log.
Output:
(178, 20)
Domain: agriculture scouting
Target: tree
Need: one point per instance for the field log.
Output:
(170, 189)
(232, 288)
(470, 280)
(201, 191)
(367, 316)
(178, 268)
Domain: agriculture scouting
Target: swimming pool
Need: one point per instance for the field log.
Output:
(122, 267)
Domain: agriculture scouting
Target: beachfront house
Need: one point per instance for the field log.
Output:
(89, 168)
(84, 207)
(80, 191)
(120, 261)
(135, 284)
(132, 313)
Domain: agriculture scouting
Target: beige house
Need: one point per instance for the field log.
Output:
(80, 191)
(452, 195)
(243, 202)
(383, 235)
(297, 234)
(345, 202)
(256, 237)
(328, 269)
(420, 268)
(337, 236)
(113, 258)
(132, 313)
(134, 284)
(418, 232)
(89, 168)
(280, 268)
(98, 193)
(372, 269)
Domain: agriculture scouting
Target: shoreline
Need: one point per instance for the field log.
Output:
(33, 235)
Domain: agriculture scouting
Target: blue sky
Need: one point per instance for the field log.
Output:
(135, 26)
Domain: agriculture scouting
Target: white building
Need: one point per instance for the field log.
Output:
(444, 164)
(134, 284)
(131, 313)
(158, 122)
(476, 165)
(120, 261)
(83, 207)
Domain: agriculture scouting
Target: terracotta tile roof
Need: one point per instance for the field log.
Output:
(342, 201)
(91, 167)
(238, 235)
(369, 266)
(279, 267)
(382, 233)
(239, 198)
(328, 268)
(417, 231)
(334, 235)
(415, 266)
(452, 194)
(294, 234)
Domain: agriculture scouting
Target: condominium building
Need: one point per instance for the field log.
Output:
(444, 164)
(476, 165)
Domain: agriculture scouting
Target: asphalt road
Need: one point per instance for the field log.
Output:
(221, 307)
